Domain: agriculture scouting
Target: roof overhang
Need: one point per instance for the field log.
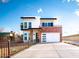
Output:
(48, 18)
(28, 17)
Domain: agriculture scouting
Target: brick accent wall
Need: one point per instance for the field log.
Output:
(45, 29)
(51, 29)
(39, 34)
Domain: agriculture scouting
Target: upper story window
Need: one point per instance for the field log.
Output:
(30, 25)
(47, 24)
(44, 24)
(50, 24)
(21, 25)
(25, 24)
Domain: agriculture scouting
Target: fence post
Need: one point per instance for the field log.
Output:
(28, 44)
(1, 50)
(8, 48)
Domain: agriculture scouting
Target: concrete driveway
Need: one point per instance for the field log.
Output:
(49, 50)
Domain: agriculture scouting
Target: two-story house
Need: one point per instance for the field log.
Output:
(41, 30)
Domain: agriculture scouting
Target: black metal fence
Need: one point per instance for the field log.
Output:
(4, 49)
(8, 48)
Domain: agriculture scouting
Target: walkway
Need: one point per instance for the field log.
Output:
(50, 50)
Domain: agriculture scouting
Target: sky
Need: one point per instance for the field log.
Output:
(67, 12)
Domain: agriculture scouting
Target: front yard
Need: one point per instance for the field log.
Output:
(14, 48)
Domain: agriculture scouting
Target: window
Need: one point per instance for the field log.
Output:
(50, 24)
(25, 38)
(25, 34)
(43, 34)
(44, 24)
(44, 37)
(25, 24)
(21, 25)
(47, 24)
(30, 25)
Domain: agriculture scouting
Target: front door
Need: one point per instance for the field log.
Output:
(37, 39)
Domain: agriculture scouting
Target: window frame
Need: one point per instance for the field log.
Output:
(25, 25)
(30, 25)
(51, 23)
(44, 24)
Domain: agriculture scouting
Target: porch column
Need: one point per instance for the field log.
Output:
(31, 36)
(39, 36)
(60, 34)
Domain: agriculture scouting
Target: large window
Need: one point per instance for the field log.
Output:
(30, 25)
(25, 24)
(44, 24)
(47, 24)
(25, 36)
(50, 24)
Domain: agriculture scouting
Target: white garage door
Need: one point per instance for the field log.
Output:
(50, 37)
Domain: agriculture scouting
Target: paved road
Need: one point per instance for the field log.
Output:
(50, 50)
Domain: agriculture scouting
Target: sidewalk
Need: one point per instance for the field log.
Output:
(50, 50)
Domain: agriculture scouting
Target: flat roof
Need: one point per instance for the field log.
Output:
(48, 18)
(27, 17)
(33, 17)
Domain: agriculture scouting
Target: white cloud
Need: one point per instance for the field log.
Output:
(77, 12)
(39, 10)
(77, 1)
(68, 0)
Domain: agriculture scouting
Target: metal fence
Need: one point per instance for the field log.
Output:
(8, 48)
(4, 49)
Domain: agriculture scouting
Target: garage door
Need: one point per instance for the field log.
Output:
(50, 37)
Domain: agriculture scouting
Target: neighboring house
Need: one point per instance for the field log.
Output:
(41, 30)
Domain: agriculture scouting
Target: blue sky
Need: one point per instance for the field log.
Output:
(67, 11)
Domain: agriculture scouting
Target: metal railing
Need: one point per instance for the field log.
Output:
(8, 48)
(4, 50)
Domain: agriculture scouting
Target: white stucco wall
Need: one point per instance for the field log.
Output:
(35, 22)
